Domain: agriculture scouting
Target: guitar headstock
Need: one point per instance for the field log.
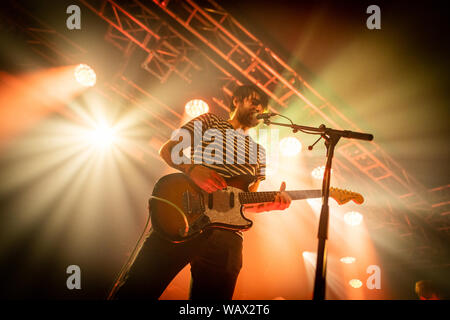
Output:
(344, 196)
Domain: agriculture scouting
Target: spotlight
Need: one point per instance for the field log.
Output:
(355, 283)
(102, 136)
(85, 75)
(348, 260)
(290, 146)
(353, 218)
(310, 257)
(318, 172)
(196, 107)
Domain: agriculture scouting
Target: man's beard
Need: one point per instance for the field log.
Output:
(247, 118)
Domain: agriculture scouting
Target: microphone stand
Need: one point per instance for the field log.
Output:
(331, 137)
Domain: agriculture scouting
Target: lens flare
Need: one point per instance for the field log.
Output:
(196, 107)
(353, 218)
(355, 283)
(102, 136)
(290, 146)
(348, 260)
(318, 172)
(85, 75)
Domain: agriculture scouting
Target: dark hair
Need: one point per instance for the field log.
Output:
(245, 91)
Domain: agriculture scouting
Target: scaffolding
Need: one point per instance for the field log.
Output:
(180, 38)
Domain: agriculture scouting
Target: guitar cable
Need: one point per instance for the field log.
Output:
(121, 277)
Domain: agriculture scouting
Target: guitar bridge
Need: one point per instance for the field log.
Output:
(193, 203)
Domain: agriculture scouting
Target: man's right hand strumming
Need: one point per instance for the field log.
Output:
(207, 179)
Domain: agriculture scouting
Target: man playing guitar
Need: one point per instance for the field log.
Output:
(215, 255)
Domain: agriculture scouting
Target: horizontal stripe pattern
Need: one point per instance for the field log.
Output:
(228, 151)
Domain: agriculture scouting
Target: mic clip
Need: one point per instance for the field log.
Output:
(266, 115)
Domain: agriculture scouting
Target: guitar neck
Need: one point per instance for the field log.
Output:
(269, 196)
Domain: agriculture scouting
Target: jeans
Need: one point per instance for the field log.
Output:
(215, 257)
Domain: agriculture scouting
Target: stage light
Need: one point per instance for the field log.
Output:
(318, 172)
(85, 75)
(310, 257)
(348, 260)
(196, 107)
(353, 218)
(355, 283)
(290, 146)
(102, 136)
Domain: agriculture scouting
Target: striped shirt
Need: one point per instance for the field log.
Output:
(215, 144)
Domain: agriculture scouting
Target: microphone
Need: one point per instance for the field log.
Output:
(266, 115)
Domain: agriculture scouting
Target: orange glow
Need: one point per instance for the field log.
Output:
(353, 218)
(27, 98)
(346, 241)
(290, 146)
(348, 260)
(102, 136)
(196, 107)
(318, 172)
(280, 249)
(355, 283)
(85, 75)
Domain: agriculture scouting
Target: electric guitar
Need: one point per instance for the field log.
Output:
(180, 210)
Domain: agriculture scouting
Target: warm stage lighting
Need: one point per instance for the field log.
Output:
(196, 107)
(102, 136)
(290, 146)
(310, 257)
(85, 75)
(353, 218)
(355, 283)
(318, 172)
(348, 260)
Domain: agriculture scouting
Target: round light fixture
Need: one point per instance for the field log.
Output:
(196, 107)
(85, 75)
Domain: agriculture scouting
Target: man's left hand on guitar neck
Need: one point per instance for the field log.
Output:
(282, 201)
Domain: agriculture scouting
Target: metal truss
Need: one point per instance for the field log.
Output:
(167, 52)
(52, 46)
(57, 50)
(246, 54)
(137, 23)
(216, 28)
(134, 25)
(439, 215)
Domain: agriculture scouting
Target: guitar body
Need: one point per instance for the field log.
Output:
(180, 210)
(201, 210)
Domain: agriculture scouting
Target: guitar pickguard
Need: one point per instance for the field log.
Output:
(225, 211)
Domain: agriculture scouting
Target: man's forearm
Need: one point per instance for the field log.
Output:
(165, 154)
